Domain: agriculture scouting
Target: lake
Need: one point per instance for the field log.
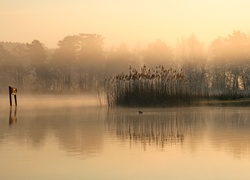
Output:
(73, 138)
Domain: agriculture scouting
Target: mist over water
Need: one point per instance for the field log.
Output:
(52, 101)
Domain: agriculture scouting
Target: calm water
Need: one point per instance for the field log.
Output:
(71, 140)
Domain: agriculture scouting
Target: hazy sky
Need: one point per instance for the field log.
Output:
(134, 22)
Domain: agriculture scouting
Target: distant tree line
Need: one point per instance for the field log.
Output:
(80, 63)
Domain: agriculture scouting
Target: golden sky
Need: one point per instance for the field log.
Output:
(134, 22)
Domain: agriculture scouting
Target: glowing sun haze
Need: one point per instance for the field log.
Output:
(132, 21)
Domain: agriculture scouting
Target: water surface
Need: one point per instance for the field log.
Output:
(81, 141)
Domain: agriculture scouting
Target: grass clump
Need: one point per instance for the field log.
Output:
(149, 87)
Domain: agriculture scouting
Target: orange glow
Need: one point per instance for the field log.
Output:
(132, 22)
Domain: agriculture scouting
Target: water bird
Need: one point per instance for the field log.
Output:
(140, 112)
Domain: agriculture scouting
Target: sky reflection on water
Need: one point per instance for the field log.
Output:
(99, 143)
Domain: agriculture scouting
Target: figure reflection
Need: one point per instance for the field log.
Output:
(159, 128)
(12, 117)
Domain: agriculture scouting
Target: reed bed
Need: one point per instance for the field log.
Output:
(150, 87)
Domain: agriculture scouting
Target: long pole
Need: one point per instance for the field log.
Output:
(10, 96)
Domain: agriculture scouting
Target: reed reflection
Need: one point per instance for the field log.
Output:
(13, 117)
(231, 130)
(156, 128)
